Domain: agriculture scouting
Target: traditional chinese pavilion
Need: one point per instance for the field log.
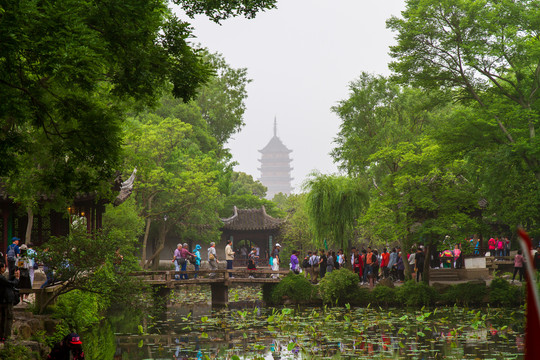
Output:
(249, 228)
(13, 219)
(276, 166)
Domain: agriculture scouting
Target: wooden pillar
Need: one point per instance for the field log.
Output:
(220, 294)
(94, 212)
(99, 216)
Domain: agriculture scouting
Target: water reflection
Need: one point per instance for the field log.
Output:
(197, 332)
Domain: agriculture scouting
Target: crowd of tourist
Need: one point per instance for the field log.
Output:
(371, 265)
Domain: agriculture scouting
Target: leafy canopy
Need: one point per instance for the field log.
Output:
(70, 70)
(334, 203)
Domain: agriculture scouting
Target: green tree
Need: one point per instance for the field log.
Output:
(176, 184)
(334, 204)
(242, 183)
(485, 55)
(218, 109)
(512, 196)
(221, 100)
(246, 193)
(296, 231)
(380, 121)
(482, 51)
(69, 70)
(85, 262)
(378, 113)
(418, 192)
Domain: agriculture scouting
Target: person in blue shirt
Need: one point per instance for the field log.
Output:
(13, 252)
(197, 253)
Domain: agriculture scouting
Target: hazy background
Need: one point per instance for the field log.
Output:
(301, 57)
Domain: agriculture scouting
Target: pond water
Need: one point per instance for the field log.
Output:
(249, 331)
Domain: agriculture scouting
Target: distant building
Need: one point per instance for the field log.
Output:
(276, 166)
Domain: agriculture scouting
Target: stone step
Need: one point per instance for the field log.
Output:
(443, 275)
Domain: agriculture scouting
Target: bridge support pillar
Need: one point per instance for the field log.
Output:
(220, 294)
(162, 296)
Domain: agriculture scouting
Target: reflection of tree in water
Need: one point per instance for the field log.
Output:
(367, 333)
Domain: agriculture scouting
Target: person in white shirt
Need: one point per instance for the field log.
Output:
(229, 256)
(212, 257)
(314, 262)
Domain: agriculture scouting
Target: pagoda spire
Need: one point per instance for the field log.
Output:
(275, 126)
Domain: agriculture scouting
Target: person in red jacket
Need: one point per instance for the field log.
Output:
(70, 345)
(357, 263)
(491, 246)
(385, 259)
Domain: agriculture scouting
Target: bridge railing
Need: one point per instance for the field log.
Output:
(202, 276)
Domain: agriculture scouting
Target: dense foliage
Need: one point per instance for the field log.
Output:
(90, 263)
(484, 55)
(295, 288)
(339, 287)
(467, 294)
(432, 140)
(247, 193)
(333, 205)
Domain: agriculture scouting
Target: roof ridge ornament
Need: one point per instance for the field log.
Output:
(126, 189)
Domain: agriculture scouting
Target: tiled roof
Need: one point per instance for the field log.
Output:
(275, 146)
(251, 219)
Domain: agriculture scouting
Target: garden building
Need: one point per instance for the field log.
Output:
(48, 222)
(249, 228)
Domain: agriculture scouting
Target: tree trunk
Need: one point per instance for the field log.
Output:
(29, 225)
(146, 231)
(408, 272)
(427, 264)
(145, 241)
(162, 235)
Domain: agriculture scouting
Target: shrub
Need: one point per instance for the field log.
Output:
(466, 294)
(16, 352)
(416, 294)
(502, 293)
(292, 286)
(340, 287)
(77, 311)
(384, 295)
(361, 296)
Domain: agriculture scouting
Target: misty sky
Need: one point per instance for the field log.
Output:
(301, 58)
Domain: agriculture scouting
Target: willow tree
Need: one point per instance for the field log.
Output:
(333, 205)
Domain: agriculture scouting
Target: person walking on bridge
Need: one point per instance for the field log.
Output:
(181, 257)
(197, 264)
(229, 256)
(212, 257)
